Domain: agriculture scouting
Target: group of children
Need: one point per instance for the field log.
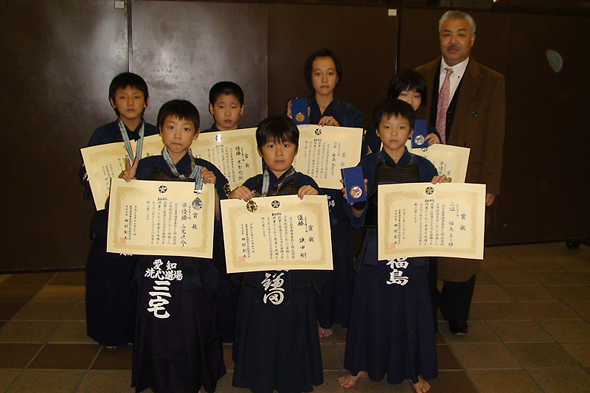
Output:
(178, 336)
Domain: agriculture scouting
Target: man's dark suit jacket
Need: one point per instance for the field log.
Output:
(476, 119)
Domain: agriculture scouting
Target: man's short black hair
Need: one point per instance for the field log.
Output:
(394, 108)
(308, 68)
(408, 80)
(182, 109)
(277, 128)
(124, 80)
(226, 87)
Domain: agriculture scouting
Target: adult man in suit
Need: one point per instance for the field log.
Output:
(468, 106)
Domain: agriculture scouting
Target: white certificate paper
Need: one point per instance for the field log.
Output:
(105, 162)
(158, 218)
(325, 150)
(282, 233)
(425, 219)
(449, 160)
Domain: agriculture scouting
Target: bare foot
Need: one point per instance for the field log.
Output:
(349, 380)
(421, 386)
(324, 332)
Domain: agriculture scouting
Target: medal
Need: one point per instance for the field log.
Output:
(356, 192)
(197, 203)
(419, 140)
(251, 206)
(300, 117)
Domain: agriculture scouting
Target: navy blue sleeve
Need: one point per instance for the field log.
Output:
(354, 117)
(371, 142)
(220, 179)
(426, 168)
(146, 166)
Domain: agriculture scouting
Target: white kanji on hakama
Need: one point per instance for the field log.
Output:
(396, 276)
(161, 290)
(273, 288)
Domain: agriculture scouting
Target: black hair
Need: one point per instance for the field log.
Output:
(407, 80)
(182, 109)
(226, 87)
(124, 80)
(278, 129)
(396, 108)
(308, 68)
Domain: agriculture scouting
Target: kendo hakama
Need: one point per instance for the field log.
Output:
(178, 345)
(391, 330)
(335, 300)
(277, 346)
(110, 292)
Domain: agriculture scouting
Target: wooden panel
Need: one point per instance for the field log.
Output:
(183, 48)
(546, 160)
(58, 58)
(364, 39)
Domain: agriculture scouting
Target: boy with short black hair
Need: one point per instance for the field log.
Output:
(226, 104)
(277, 345)
(110, 299)
(182, 351)
(391, 330)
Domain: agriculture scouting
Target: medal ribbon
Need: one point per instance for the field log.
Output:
(195, 173)
(266, 180)
(127, 142)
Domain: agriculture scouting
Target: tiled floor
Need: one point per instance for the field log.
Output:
(529, 332)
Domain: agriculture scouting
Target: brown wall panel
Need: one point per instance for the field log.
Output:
(364, 38)
(183, 48)
(57, 61)
(546, 158)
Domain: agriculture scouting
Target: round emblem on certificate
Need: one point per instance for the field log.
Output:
(318, 131)
(356, 192)
(218, 138)
(197, 203)
(276, 204)
(300, 117)
(419, 140)
(251, 206)
(429, 190)
(162, 189)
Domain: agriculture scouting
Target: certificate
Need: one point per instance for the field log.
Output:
(103, 163)
(449, 160)
(158, 218)
(425, 219)
(277, 233)
(234, 153)
(325, 150)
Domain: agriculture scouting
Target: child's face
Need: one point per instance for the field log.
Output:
(226, 111)
(394, 132)
(412, 97)
(323, 75)
(278, 156)
(130, 102)
(178, 135)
